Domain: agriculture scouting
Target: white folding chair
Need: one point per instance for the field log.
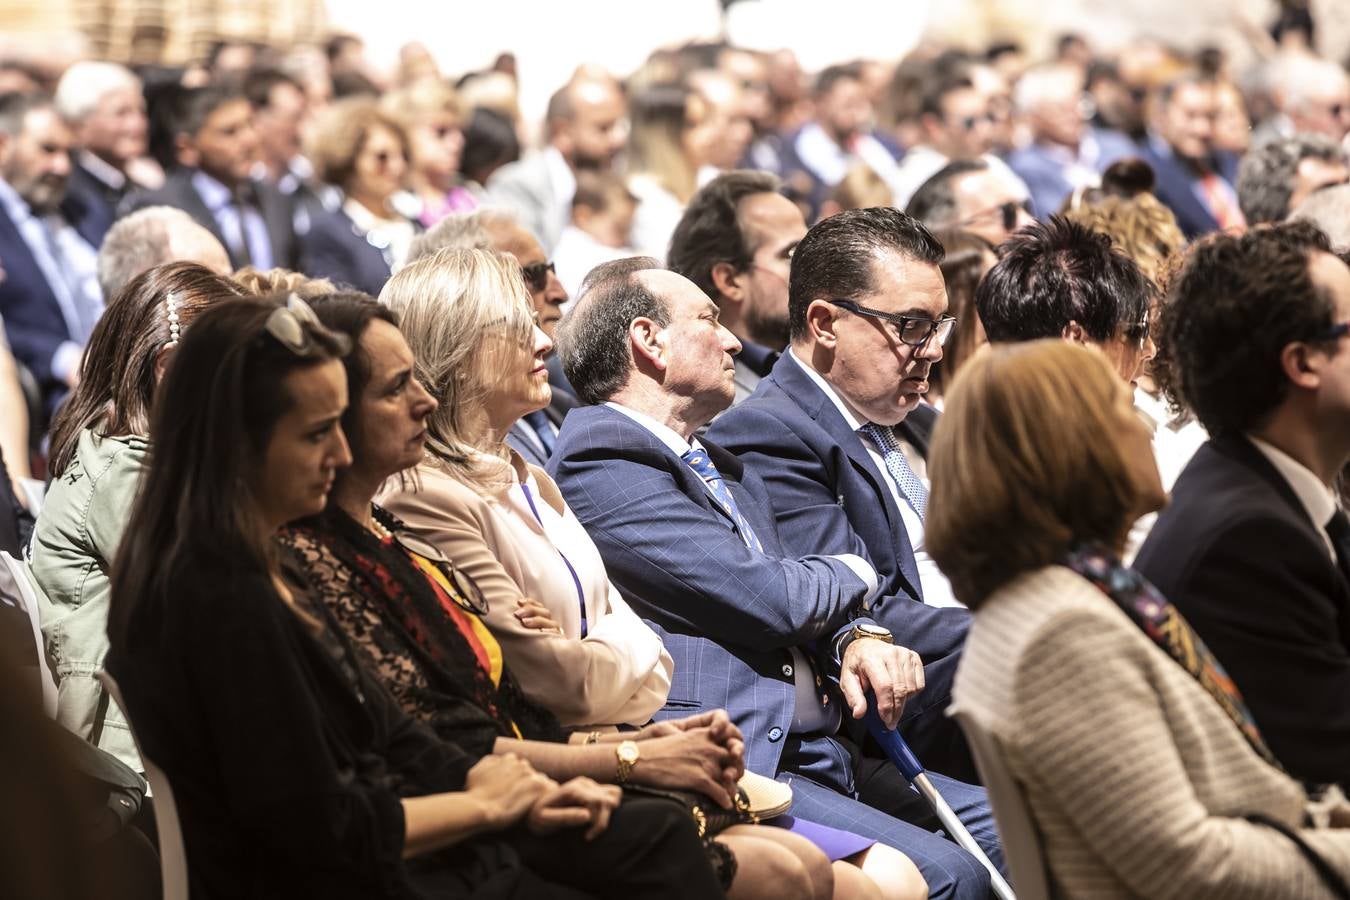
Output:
(172, 852)
(1021, 841)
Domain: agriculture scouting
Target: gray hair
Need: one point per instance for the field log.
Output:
(86, 83)
(150, 237)
(593, 338)
(1329, 210)
(462, 231)
(1266, 175)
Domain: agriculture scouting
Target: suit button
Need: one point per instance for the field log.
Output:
(787, 671)
(775, 734)
(818, 682)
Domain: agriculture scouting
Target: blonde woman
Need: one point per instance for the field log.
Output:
(431, 114)
(480, 354)
(662, 164)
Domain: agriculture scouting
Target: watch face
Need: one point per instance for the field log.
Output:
(628, 752)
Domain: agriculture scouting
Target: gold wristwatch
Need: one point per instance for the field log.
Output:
(628, 755)
(875, 632)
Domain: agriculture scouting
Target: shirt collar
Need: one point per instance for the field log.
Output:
(853, 423)
(664, 433)
(102, 170)
(1316, 497)
(15, 206)
(214, 194)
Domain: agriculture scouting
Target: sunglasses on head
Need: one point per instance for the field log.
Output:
(294, 325)
(463, 589)
(536, 275)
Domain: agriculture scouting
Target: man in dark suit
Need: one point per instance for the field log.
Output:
(533, 436)
(103, 104)
(826, 433)
(215, 150)
(1254, 549)
(49, 297)
(1180, 150)
(688, 535)
(735, 241)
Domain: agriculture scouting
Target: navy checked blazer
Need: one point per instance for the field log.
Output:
(727, 614)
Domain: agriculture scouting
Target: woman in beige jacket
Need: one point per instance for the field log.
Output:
(1142, 768)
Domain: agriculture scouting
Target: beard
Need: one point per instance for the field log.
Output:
(767, 329)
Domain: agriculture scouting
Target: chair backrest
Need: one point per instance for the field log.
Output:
(172, 852)
(16, 583)
(1021, 840)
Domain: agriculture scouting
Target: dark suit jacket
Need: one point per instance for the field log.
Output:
(1238, 555)
(334, 248)
(828, 495)
(1175, 187)
(102, 199)
(276, 210)
(32, 317)
(727, 614)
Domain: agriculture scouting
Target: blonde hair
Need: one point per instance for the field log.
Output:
(452, 306)
(342, 131)
(265, 282)
(660, 118)
(861, 188)
(1024, 464)
(417, 101)
(1141, 227)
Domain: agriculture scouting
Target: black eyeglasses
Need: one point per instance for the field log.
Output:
(1007, 210)
(464, 590)
(536, 275)
(914, 331)
(293, 326)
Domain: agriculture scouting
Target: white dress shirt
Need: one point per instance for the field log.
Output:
(1317, 499)
(937, 591)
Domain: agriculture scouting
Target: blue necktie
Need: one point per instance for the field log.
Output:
(538, 420)
(910, 484)
(698, 460)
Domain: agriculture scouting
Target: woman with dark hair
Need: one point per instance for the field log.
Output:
(1138, 757)
(967, 257)
(295, 773)
(98, 455)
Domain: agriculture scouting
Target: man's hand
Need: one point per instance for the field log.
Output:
(579, 802)
(893, 674)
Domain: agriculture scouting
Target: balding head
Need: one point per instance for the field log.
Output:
(151, 237)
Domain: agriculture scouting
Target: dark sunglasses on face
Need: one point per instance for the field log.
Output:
(536, 275)
(968, 123)
(914, 331)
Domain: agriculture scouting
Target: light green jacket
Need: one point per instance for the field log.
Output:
(73, 546)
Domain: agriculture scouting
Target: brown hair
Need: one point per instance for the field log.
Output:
(342, 132)
(117, 374)
(862, 187)
(1024, 466)
(968, 257)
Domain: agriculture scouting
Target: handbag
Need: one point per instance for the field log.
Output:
(710, 818)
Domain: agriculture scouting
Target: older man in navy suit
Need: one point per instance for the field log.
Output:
(688, 536)
(49, 298)
(838, 433)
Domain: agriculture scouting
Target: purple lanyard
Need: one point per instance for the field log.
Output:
(581, 595)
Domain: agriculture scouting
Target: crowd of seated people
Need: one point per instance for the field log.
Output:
(441, 545)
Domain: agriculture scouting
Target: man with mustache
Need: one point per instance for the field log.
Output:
(50, 298)
(838, 429)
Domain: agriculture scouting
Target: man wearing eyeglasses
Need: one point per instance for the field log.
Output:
(1254, 549)
(838, 431)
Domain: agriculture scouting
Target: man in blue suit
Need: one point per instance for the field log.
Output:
(49, 239)
(688, 535)
(1180, 150)
(838, 433)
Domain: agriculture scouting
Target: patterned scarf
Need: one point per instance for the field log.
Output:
(1165, 626)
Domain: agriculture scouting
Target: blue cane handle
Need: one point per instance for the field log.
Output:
(892, 743)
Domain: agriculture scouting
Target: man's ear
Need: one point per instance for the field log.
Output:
(647, 341)
(728, 282)
(1302, 365)
(185, 151)
(1074, 334)
(820, 324)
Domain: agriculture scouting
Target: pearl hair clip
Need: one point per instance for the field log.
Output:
(171, 306)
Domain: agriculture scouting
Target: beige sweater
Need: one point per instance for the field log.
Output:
(1136, 778)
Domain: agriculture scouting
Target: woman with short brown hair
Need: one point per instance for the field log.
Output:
(1140, 763)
